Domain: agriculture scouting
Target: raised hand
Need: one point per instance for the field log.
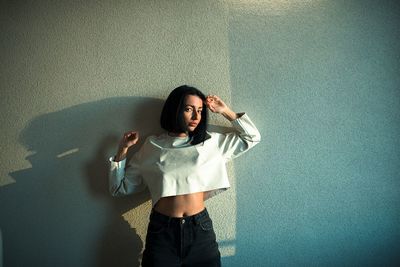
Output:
(215, 104)
(129, 139)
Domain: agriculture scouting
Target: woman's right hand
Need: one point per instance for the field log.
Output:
(129, 139)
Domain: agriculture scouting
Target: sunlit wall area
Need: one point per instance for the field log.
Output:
(74, 76)
(322, 189)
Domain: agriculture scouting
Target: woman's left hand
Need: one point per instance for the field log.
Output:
(215, 104)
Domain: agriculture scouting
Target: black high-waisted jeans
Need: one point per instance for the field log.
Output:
(187, 241)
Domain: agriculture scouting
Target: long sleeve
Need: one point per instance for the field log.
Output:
(125, 180)
(171, 168)
(245, 137)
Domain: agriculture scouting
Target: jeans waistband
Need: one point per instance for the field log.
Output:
(196, 218)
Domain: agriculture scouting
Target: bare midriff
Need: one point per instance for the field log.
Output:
(181, 206)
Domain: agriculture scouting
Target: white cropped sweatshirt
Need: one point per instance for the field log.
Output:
(171, 166)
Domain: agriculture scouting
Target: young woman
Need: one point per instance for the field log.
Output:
(182, 168)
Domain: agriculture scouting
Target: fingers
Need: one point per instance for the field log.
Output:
(215, 104)
(212, 102)
(133, 136)
(211, 98)
(130, 138)
(131, 133)
(209, 102)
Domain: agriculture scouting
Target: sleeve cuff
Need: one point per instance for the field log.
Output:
(117, 164)
(241, 116)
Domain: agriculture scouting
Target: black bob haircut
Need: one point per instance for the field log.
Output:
(172, 114)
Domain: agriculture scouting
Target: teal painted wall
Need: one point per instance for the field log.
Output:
(322, 189)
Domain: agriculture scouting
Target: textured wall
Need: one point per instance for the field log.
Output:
(319, 78)
(74, 76)
(323, 187)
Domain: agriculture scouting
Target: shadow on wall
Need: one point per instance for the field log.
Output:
(59, 212)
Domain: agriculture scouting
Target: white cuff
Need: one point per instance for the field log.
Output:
(117, 164)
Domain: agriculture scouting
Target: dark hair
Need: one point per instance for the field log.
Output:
(172, 114)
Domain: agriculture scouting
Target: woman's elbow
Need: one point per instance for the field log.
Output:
(255, 139)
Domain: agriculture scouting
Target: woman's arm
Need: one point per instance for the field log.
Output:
(216, 105)
(128, 140)
(125, 178)
(235, 143)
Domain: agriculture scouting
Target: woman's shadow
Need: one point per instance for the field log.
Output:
(68, 184)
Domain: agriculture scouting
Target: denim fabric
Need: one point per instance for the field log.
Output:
(188, 241)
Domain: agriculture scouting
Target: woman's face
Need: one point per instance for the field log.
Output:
(192, 112)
